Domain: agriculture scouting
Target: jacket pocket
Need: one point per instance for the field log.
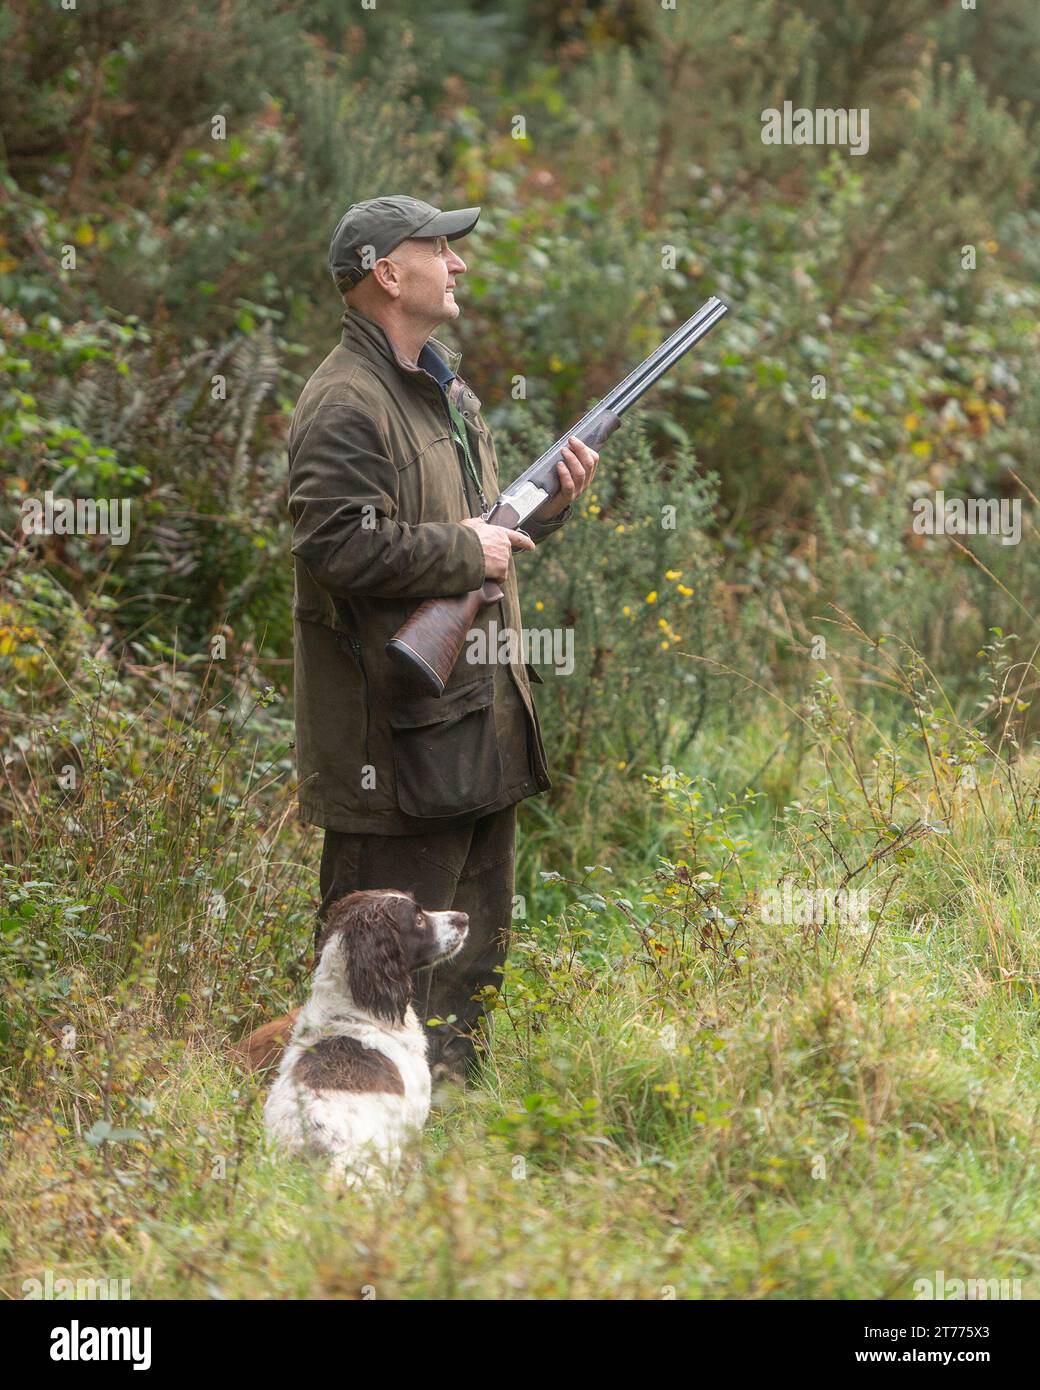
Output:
(446, 758)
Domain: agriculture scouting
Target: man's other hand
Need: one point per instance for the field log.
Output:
(575, 472)
(498, 543)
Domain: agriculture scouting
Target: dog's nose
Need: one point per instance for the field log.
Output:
(460, 919)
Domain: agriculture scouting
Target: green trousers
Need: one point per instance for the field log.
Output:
(468, 868)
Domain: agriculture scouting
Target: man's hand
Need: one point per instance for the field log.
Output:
(576, 472)
(498, 543)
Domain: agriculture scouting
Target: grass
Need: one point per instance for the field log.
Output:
(683, 1099)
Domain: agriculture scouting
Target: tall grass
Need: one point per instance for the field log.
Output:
(683, 1098)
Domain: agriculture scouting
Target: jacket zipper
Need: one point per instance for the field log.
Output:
(355, 646)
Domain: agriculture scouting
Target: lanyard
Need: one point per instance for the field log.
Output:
(462, 440)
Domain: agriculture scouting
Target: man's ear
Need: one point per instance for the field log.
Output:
(387, 276)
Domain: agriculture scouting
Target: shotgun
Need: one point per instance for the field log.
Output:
(429, 643)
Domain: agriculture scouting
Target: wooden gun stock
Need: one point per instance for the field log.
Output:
(429, 644)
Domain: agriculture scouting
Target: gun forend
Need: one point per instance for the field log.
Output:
(522, 499)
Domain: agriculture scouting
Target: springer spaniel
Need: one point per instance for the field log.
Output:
(353, 1081)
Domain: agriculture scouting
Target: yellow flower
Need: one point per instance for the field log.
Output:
(662, 622)
(539, 605)
(910, 423)
(673, 574)
(622, 766)
(991, 246)
(664, 646)
(627, 611)
(595, 511)
(619, 527)
(652, 596)
(686, 593)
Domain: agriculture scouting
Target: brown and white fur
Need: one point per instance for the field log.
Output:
(353, 1081)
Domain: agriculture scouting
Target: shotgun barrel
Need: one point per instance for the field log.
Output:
(540, 481)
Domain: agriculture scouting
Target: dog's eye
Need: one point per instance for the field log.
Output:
(420, 919)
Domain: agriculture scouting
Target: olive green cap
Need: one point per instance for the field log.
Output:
(372, 229)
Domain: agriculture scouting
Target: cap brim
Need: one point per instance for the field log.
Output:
(450, 224)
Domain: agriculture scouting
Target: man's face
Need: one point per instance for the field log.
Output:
(427, 269)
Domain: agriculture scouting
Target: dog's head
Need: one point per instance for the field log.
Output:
(378, 938)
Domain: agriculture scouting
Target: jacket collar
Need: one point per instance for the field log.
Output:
(365, 335)
(432, 360)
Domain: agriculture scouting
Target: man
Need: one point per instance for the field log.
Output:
(390, 466)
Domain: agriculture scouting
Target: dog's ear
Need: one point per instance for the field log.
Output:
(376, 970)
(404, 910)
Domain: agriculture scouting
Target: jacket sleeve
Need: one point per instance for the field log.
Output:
(540, 530)
(343, 500)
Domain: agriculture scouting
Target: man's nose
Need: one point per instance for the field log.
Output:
(456, 264)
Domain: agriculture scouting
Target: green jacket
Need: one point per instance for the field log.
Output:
(377, 493)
